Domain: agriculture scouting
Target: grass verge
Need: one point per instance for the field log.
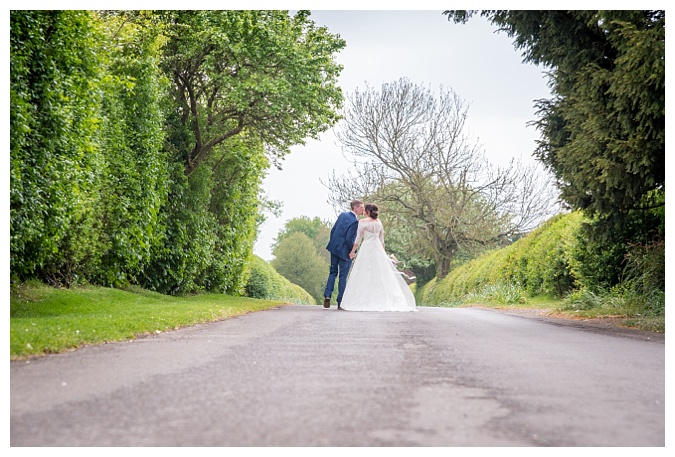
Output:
(623, 312)
(46, 320)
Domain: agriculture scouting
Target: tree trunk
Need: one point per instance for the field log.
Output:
(443, 266)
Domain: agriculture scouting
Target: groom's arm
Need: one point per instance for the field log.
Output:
(333, 229)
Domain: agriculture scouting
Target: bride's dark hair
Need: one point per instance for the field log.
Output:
(372, 210)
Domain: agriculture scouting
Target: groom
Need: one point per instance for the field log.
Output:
(342, 237)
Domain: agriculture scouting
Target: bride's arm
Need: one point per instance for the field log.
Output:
(359, 237)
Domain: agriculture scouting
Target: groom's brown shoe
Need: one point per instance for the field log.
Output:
(326, 303)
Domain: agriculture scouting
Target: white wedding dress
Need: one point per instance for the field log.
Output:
(374, 283)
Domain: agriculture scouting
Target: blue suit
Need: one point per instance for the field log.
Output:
(342, 237)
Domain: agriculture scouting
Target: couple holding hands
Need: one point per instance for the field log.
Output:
(373, 283)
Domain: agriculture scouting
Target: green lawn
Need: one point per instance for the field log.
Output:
(48, 320)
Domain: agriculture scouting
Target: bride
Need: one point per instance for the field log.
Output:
(374, 284)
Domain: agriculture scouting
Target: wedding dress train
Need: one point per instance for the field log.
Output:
(374, 283)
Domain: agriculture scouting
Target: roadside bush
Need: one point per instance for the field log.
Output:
(646, 266)
(88, 167)
(188, 241)
(640, 293)
(236, 206)
(600, 258)
(265, 283)
(594, 276)
(99, 192)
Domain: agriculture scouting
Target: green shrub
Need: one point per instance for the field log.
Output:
(641, 293)
(603, 247)
(265, 283)
(188, 241)
(550, 261)
(99, 191)
(645, 269)
(235, 206)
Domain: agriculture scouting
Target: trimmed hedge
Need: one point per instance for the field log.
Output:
(541, 263)
(98, 188)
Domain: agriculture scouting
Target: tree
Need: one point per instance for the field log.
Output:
(298, 262)
(296, 259)
(246, 85)
(604, 131)
(262, 72)
(316, 230)
(411, 154)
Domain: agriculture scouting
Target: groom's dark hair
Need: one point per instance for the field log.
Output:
(355, 203)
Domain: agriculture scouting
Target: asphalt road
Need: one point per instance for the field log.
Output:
(306, 376)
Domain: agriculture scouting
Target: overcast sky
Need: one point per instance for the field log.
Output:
(481, 66)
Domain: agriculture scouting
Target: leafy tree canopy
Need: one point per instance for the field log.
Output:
(316, 230)
(266, 72)
(296, 259)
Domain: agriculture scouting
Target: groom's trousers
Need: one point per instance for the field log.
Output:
(339, 269)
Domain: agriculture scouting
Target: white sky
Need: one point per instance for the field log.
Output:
(481, 66)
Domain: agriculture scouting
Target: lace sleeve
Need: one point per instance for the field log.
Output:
(359, 234)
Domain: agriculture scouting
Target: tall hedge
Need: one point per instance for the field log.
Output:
(99, 188)
(236, 203)
(89, 170)
(132, 170)
(55, 87)
(97, 193)
(210, 221)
